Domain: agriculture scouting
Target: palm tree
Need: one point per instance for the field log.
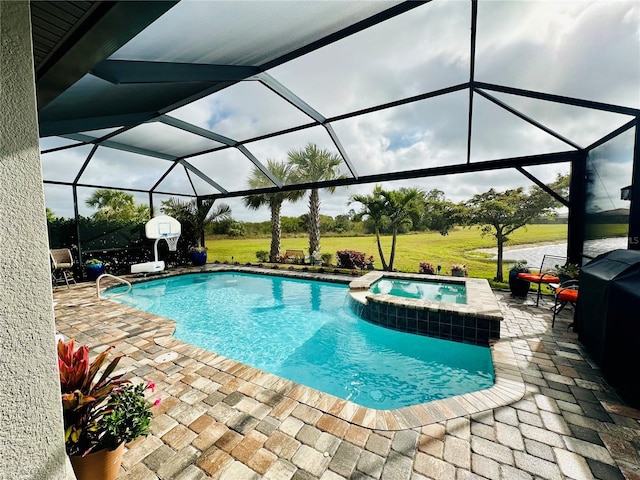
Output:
(399, 206)
(313, 164)
(395, 207)
(373, 206)
(116, 205)
(281, 171)
(195, 216)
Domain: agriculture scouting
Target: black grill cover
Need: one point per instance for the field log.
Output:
(608, 318)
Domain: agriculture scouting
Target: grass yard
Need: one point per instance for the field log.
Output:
(411, 249)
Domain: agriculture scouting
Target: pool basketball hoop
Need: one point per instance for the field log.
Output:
(161, 227)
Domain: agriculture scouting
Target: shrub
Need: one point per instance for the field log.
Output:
(426, 267)
(326, 259)
(262, 256)
(459, 270)
(350, 259)
(520, 267)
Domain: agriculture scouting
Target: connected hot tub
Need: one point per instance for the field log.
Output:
(452, 308)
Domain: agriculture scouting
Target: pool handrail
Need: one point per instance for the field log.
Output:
(112, 276)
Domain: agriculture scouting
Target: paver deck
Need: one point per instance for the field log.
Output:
(553, 417)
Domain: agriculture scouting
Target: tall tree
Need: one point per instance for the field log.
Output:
(51, 216)
(393, 206)
(313, 164)
(373, 207)
(399, 206)
(282, 172)
(116, 205)
(501, 213)
(440, 214)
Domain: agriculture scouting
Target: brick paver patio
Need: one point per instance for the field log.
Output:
(552, 416)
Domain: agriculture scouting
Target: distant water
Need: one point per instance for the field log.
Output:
(533, 255)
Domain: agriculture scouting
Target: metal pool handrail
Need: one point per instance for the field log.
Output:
(114, 277)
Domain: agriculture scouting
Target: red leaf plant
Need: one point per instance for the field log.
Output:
(98, 414)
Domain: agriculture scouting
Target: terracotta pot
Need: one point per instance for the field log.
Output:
(100, 465)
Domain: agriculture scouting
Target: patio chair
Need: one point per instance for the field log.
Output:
(546, 275)
(61, 264)
(566, 293)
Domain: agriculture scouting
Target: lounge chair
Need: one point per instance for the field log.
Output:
(566, 293)
(61, 265)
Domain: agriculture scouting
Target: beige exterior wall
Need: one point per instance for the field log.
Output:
(31, 433)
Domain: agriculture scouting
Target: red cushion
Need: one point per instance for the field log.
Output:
(567, 294)
(539, 277)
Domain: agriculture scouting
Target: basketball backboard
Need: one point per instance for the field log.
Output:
(162, 226)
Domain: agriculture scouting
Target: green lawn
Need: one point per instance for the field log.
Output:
(411, 249)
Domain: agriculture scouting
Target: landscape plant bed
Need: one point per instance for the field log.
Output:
(457, 247)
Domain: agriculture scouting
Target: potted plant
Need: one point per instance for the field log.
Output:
(568, 271)
(518, 286)
(427, 268)
(198, 255)
(326, 259)
(458, 270)
(369, 263)
(194, 216)
(94, 268)
(99, 416)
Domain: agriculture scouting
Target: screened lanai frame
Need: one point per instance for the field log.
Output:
(116, 131)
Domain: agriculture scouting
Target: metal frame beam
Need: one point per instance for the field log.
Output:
(124, 189)
(343, 152)
(121, 146)
(528, 119)
(419, 173)
(634, 209)
(100, 35)
(135, 72)
(347, 31)
(543, 186)
(615, 133)
(577, 208)
(279, 89)
(607, 107)
(191, 128)
(472, 70)
(65, 127)
(204, 177)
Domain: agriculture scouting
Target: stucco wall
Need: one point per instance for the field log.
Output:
(31, 437)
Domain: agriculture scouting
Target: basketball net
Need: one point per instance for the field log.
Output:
(172, 242)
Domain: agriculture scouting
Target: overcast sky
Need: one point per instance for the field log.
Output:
(581, 49)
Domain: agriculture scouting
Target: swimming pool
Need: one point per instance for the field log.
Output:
(436, 291)
(304, 331)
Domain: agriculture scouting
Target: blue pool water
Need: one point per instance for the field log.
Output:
(306, 332)
(436, 291)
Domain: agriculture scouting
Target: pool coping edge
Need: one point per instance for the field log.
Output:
(508, 385)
